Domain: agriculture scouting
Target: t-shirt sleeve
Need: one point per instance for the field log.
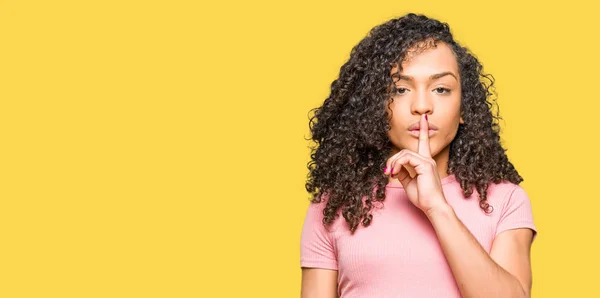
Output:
(317, 248)
(517, 212)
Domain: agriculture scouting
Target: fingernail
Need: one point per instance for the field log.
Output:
(426, 117)
(385, 170)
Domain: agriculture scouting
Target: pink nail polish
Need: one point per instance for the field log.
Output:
(385, 170)
(426, 117)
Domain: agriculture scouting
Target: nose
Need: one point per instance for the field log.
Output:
(421, 104)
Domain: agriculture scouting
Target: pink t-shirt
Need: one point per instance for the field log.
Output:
(399, 254)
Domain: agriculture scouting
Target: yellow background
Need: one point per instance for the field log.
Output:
(156, 148)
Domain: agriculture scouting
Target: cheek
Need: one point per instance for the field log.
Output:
(450, 134)
(450, 129)
(399, 111)
(397, 126)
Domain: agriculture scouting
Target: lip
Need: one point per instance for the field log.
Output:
(415, 129)
(416, 133)
(417, 126)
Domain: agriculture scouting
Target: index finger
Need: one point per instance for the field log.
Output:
(423, 147)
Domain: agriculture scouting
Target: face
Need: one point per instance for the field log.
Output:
(429, 83)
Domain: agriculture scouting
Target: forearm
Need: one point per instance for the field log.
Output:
(475, 272)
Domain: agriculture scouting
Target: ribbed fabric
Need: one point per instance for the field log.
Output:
(399, 254)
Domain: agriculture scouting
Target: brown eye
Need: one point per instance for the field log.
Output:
(401, 90)
(442, 90)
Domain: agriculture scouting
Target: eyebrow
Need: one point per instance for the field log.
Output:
(432, 77)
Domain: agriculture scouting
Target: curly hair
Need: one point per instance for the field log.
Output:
(349, 130)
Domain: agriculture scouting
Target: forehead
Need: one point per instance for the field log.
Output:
(427, 59)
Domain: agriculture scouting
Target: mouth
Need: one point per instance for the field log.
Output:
(417, 126)
(416, 133)
(415, 129)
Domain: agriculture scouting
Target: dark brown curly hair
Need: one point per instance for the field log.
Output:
(349, 130)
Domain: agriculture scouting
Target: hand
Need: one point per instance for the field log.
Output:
(425, 189)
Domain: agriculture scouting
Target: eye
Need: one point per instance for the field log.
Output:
(401, 90)
(442, 90)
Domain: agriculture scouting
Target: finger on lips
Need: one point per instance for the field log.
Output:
(423, 149)
(423, 146)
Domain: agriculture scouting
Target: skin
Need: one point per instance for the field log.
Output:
(418, 163)
(429, 84)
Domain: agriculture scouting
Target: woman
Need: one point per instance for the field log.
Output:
(408, 153)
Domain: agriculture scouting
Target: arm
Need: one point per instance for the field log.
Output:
(319, 283)
(318, 258)
(505, 272)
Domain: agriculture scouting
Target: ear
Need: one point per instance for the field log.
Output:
(461, 121)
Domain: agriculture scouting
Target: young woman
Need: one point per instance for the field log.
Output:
(412, 192)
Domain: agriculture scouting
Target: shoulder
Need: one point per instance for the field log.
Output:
(314, 213)
(514, 208)
(499, 195)
(316, 209)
